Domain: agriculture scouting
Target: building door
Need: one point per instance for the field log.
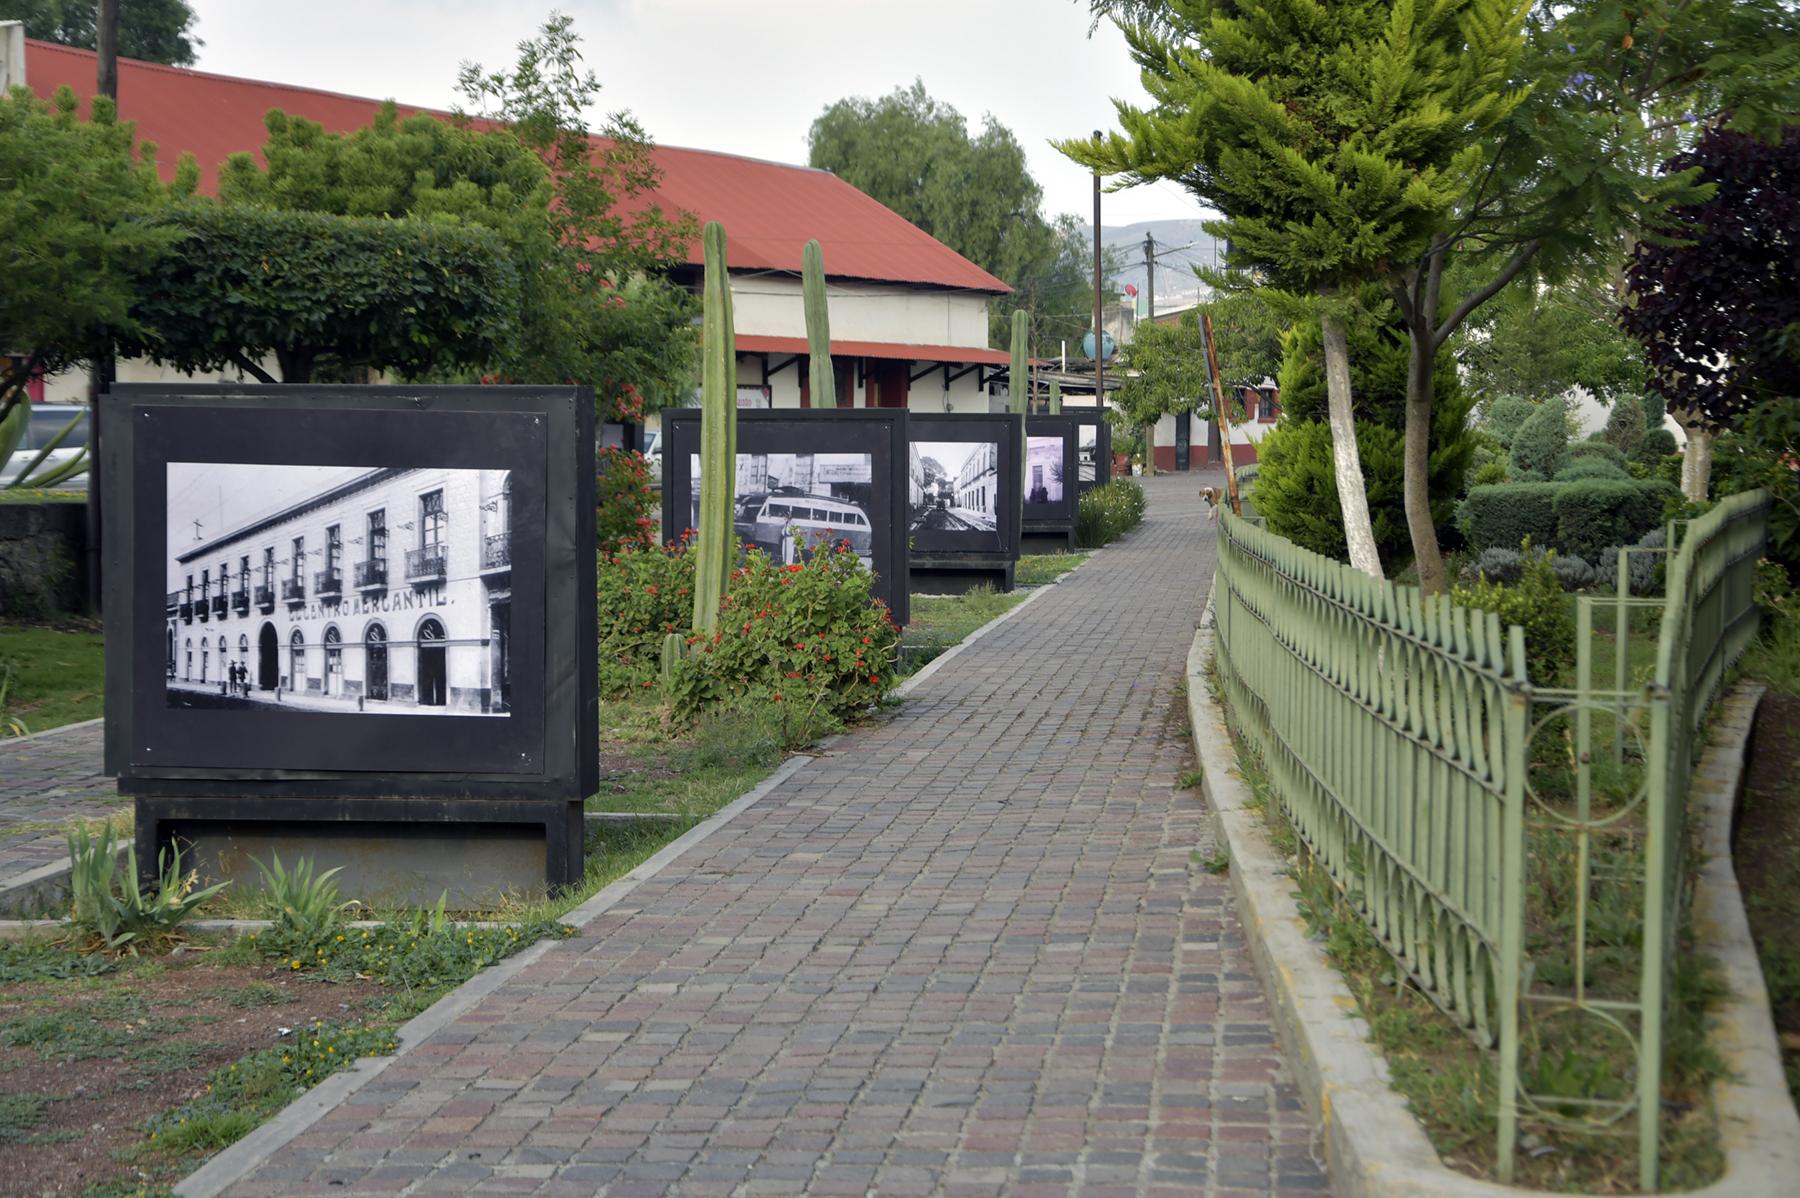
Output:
(268, 667)
(501, 643)
(432, 679)
(334, 661)
(1184, 434)
(169, 652)
(375, 649)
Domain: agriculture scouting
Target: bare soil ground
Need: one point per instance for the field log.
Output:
(1766, 856)
(85, 1061)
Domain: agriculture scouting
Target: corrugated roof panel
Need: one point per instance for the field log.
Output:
(769, 210)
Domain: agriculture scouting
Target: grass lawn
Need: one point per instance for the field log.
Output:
(56, 675)
(1036, 569)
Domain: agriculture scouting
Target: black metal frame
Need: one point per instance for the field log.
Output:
(534, 766)
(1103, 448)
(878, 432)
(931, 551)
(1051, 520)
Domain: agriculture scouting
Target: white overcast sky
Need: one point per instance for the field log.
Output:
(742, 76)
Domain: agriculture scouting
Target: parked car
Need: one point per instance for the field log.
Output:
(653, 457)
(45, 422)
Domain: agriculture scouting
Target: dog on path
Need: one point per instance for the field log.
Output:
(1210, 495)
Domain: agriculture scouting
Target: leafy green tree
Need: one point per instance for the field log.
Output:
(151, 30)
(1335, 143)
(1165, 372)
(974, 193)
(72, 201)
(1248, 326)
(327, 296)
(1537, 342)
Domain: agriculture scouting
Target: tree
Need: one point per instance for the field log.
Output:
(72, 202)
(150, 30)
(1541, 443)
(325, 295)
(1248, 327)
(1165, 372)
(1335, 144)
(1537, 342)
(1713, 299)
(1625, 426)
(973, 193)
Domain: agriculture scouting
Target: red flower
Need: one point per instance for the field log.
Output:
(872, 678)
(795, 568)
(778, 696)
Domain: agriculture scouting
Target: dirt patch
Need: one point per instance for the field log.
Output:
(1766, 856)
(84, 1062)
(618, 763)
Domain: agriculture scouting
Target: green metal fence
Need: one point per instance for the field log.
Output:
(1516, 848)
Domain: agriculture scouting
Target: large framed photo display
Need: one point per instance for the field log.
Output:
(1049, 477)
(347, 592)
(1093, 449)
(805, 477)
(962, 472)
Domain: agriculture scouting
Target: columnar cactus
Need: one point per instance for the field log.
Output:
(820, 382)
(718, 436)
(1055, 399)
(1018, 382)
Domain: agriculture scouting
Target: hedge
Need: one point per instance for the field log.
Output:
(1581, 517)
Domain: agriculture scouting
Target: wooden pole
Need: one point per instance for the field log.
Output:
(1222, 414)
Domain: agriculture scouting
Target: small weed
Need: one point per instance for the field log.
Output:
(253, 995)
(19, 1113)
(41, 961)
(1216, 862)
(1192, 780)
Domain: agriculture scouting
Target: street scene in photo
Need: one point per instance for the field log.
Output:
(1043, 470)
(953, 486)
(1087, 452)
(788, 504)
(344, 589)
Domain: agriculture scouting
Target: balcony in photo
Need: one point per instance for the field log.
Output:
(371, 575)
(496, 552)
(426, 565)
(265, 599)
(328, 582)
(293, 590)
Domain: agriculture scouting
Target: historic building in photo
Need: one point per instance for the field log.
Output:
(977, 483)
(391, 591)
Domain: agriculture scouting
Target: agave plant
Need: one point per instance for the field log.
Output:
(12, 431)
(114, 910)
(304, 904)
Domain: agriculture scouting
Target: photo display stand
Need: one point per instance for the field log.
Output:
(1049, 476)
(801, 472)
(1093, 449)
(962, 471)
(354, 623)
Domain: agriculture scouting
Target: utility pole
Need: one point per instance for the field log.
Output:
(100, 376)
(1099, 333)
(1150, 275)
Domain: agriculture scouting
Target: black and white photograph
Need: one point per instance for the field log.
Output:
(1043, 471)
(1087, 452)
(342, 589)
(788, 504)
(953, 486)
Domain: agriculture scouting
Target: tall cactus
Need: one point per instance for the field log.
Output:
(1055, 399)
(819, 380)
(1018, 383)
(718, 435)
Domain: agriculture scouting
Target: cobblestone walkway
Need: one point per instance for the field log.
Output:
(46, 781)
(967, 952)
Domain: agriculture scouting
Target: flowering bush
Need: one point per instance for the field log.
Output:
(809, 635)
(622, 516)
(641, 594)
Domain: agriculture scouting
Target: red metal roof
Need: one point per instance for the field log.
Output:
(769, 209)
(757, 343)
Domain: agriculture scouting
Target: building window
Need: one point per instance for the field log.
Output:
(299, 571)
(431, 520)
(378, 535)
(187, 665)
(334, 548)
(334, 661)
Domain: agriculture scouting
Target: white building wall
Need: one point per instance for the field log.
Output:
(71, 385)
(772, 305)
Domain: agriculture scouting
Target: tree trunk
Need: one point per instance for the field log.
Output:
(1420, 365)
(1353, 499)
(1696, 461)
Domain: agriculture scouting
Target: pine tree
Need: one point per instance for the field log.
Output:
(1336, 139)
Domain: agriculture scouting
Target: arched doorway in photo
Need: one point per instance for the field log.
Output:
(432, 679)
(376, 651)
(268, 667)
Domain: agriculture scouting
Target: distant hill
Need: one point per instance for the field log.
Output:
(1180, 244)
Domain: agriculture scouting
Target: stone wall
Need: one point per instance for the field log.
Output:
(42, 557)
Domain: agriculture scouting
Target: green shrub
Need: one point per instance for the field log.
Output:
(1488, 473)
(1503, 417)
(1594, 514)
(1657, 444)
(32, 577)
(622, 513)
(1625, 428)
(810, 635)
(1542, 441)
(1105, 514)
(1537, 604)
(1580, 469)
(1591, 448)
(642, 594)
(303, 905)
(1581, 517)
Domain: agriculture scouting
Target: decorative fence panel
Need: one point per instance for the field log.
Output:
(1446, 797)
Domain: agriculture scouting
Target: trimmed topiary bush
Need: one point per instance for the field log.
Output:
(1542, 441)
(1595, 513)
(1503, 418)
(1501, 516)
(1591, 448)
(1625, 428)
(1577, 469)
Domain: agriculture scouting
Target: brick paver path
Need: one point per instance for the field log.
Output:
(968, 952)
(46, 781)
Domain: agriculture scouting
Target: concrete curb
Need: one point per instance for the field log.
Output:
(1371, 1142)
(10, 741)
(235, 1162)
